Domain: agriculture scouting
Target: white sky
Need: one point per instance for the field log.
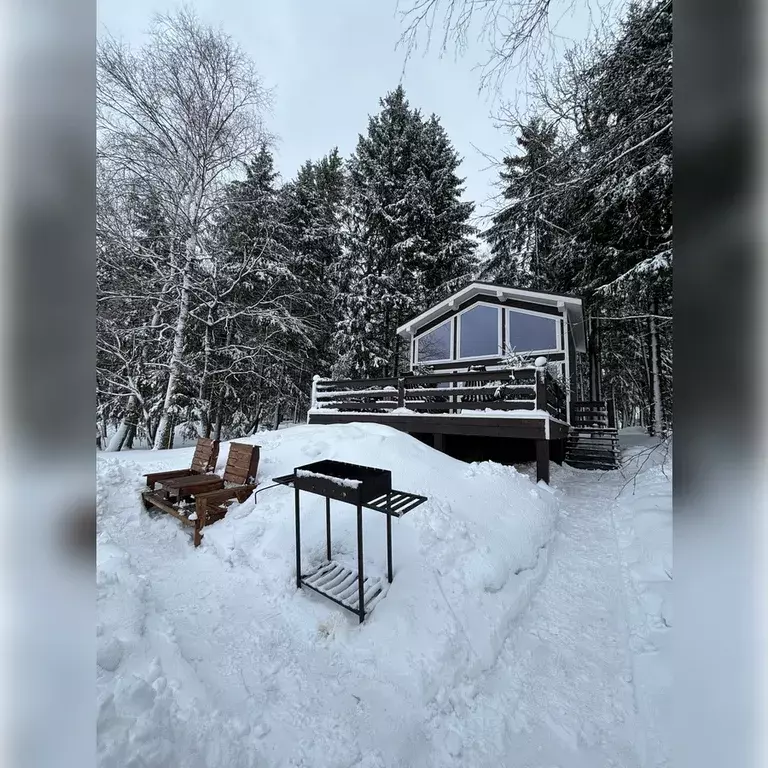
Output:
(329, 62)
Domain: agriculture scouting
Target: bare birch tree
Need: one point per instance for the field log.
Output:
(178, 117)
(516, 32)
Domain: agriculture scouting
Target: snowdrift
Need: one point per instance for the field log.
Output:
(212, 657)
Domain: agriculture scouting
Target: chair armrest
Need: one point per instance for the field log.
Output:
(240, 492)
(208, 501)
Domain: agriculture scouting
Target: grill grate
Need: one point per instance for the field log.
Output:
(340, 584)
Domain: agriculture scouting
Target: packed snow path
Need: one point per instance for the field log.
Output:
(506, 639)
(561, 693)
(584, 679)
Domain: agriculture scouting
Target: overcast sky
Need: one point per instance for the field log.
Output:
(329, 62)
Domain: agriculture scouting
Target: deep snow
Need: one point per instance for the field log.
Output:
(526, 626)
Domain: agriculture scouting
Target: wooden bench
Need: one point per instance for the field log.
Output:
(200, 499)
(239, 484)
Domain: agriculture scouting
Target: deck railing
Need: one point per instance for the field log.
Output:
(593, 414)
(508, 389)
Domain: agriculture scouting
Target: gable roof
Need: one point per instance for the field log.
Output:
(571, 304)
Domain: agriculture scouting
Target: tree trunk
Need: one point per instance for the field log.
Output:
(174, 372)
(219, 413)
(203, 392)
(658, 421)
(254, 428)
(118, 440)
(279, 403)
(131, 434)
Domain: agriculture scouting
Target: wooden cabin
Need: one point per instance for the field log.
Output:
(489, 365)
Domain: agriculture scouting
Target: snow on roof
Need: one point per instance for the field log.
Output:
(571, 304)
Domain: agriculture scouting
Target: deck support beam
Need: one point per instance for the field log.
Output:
(542, 460)
(438, 441)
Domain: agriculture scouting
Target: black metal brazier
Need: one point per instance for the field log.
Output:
(340, 480)
(364, 487)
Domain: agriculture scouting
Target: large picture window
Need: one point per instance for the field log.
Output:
(479, 332)
(531, 333)
(435, 345)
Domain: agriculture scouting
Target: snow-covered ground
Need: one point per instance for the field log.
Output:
(525, 626)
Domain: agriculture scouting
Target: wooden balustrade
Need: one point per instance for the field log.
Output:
(499, 390)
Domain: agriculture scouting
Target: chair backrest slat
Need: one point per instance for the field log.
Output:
(206, 455)
(242, 464)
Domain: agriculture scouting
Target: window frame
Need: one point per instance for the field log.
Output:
(558, 330)
(499, 349)
(454, 341)
(420, 336)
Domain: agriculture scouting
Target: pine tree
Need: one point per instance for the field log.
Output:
(313, 205)
(255, 304)
(449, 253)
(521, 234)
(629, 264)
(595, 202)
(407, 234)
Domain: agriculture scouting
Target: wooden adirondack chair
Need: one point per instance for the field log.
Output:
(239, 484)
(204, 460)
(178, 495)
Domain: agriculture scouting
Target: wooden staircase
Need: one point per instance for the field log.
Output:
(593, 442)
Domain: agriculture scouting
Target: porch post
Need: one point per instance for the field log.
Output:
(439, 442)
(542, 460)
(557, 451)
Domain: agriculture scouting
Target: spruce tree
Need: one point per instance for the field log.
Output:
(313, 204)
(256, 300)
(407, 234)
(449, 258)
(521, 233)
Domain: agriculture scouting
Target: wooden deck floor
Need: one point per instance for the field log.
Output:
(526, 425)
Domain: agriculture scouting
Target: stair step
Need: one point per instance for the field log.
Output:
(582, 448)
(575, 428)
(599, 444)
(583, 464)
(583, 453)
(592, 441)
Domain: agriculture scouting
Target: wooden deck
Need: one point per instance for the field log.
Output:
(520, 403)
(533, 427)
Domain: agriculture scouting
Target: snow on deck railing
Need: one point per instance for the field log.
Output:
(313, 395)
(344, 481)
(497, 387)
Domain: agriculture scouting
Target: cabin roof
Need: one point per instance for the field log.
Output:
(571, 304)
